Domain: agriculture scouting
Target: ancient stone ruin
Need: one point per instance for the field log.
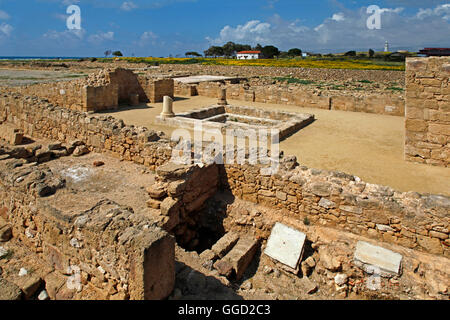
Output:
(92, 208)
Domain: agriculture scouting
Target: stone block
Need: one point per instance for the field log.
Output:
(225, 244)
(286, 245)
(371, 257)
(416, 125)
(242, 255)
(327, 204)
(152, 274)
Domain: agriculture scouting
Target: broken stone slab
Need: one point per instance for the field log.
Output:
(375, 259)
(29, 285)
(241, 255)
(5, 233)
(225, 244)
(286, 245)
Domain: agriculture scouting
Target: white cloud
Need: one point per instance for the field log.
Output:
(441, 10)
(346, 30)
(66, 35)
(70, 2)
(148, 35)
(5, 29)
(128, 6)
(254, 31)
(146, 39)
(338, 17)
(4, 15)
(101, 36)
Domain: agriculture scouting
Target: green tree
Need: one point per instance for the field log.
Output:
(350, 53)
(229, 49)
(270, 51)
(192, 54)
(117, 54)
(214, 51)
(371, 53)
(258, 47)
(295, 52)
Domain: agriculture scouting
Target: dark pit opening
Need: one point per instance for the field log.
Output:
(200, 230)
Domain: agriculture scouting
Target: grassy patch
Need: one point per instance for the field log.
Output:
(395, 89)
(306, 221)
(365, 81)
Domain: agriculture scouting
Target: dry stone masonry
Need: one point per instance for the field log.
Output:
(428, 111)
(104, 90)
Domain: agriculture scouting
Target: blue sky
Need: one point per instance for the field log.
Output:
(172, 27)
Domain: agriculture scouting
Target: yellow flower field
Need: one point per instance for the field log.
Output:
(324, 63)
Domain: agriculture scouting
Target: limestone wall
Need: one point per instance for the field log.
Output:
(154, 90)
(107, 248)
(39, 118)
(330, 198)
(277, 94)
(345, 202)
(428, 110)
(101, 91)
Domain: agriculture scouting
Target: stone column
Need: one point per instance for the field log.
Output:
(222, 97)
(167, 108)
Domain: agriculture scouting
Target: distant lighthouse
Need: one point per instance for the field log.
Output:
(386, 46)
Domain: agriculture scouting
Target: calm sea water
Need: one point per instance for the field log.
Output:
(37, 58)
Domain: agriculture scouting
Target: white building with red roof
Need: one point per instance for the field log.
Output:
(247, 55)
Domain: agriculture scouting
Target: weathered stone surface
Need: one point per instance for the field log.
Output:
(427, 122)
(5, 233)
(154, 204)
(286, 245)
(80, 151)
(225, 244)
(322, 189)
(242, 255)
(329, 260)
(172, 171)
(432, 245)
(308, 285)
(325, 203)
(9, 291)
(29, 284)
(208, 255)
(170, 207)
(225, 268)
(386, 260)
(157, 192)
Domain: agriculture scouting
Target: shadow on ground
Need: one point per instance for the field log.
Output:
(194, 285)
